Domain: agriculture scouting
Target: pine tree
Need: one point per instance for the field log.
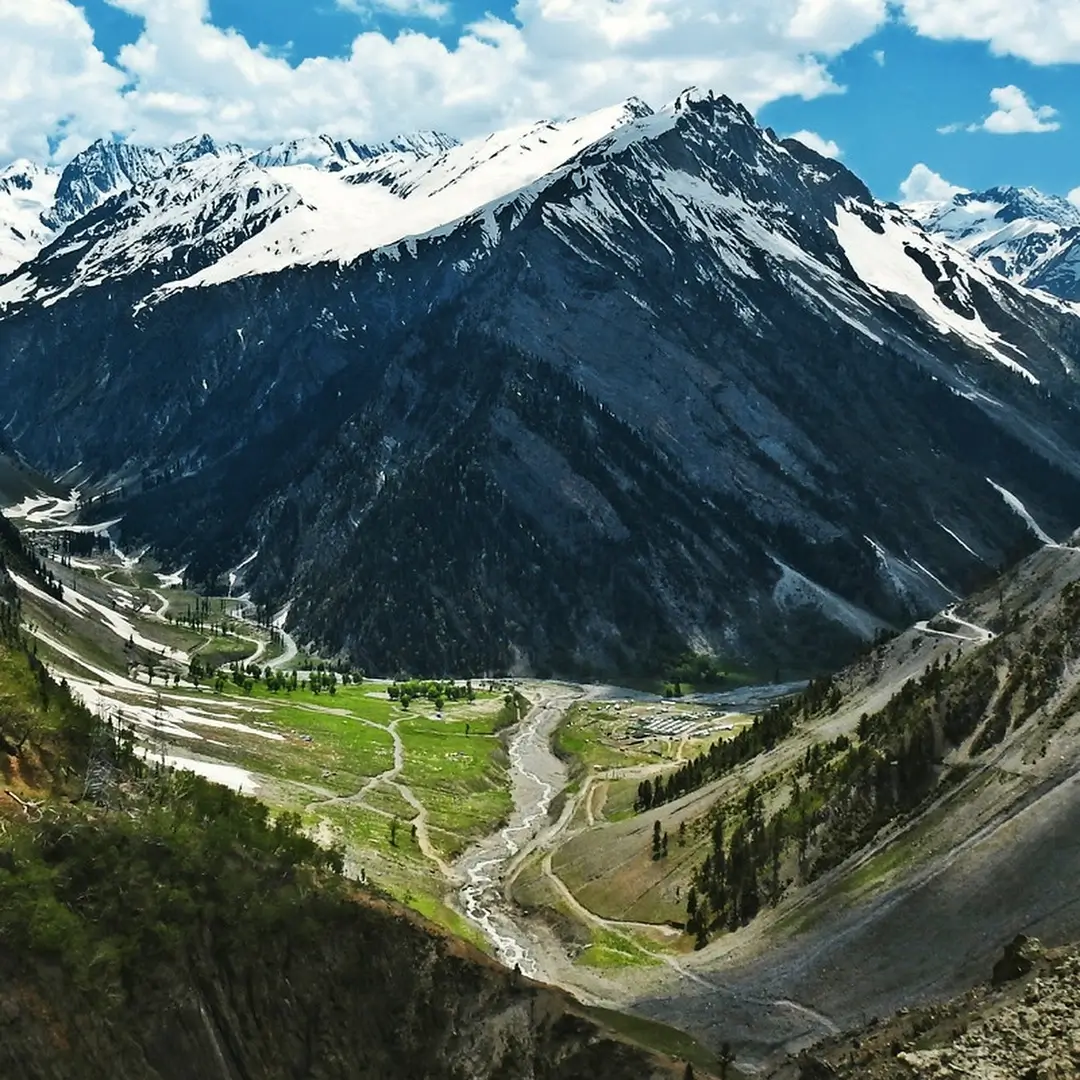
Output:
(701, 938)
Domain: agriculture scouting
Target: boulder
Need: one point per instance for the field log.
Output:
(1017, 960)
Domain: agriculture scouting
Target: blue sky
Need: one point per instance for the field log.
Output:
(876, 79)
(890, 115)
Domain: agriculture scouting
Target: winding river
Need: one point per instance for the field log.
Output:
(537, 776)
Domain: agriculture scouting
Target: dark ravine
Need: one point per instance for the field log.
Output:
(582, 449)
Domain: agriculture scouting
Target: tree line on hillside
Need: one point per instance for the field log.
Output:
(35, 712)
(322, 680)
(767, 731)
(844, 791)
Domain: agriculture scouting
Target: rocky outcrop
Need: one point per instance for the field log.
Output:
(1026, 1028)
(1018, 959)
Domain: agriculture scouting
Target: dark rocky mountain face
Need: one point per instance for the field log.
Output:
(372, 996)
(107, 168)
(695, 390)
(1061, 274)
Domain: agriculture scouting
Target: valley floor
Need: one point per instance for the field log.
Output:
(510, 815)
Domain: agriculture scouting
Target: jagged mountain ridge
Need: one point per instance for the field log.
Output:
(1028, 237)
(40, 208)
(333, 153)
(692, 386)
(105, 169)
(323, 209)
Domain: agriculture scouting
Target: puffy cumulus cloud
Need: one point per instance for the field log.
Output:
(1014, 115)
(825, 147)
(53, 81)
(925, 185)
(1074, 196)
(879, 57)
(1041, 31)
(552, 57)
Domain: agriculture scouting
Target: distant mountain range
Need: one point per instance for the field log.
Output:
(576, 396)
(1030, 238)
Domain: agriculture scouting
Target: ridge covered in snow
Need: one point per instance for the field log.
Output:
(400, 194)
(333, 200)
(38, 204)
(27, 191)
(169, 226)
(199, 214)
(105, 169)
(332, 153)
(1029, 237)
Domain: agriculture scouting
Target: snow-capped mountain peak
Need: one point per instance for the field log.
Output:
(415, 186)
(327, 199)
(24, 175)
(203, 146)
(103, 169)
(165, 227)
(107, 168)
(1028, 202)
(1023, 234)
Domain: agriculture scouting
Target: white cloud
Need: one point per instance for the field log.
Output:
(52, 79)
(825, 147)
(879, 57)
(1015, 115)
(1042, 31)
(1074, 196)
(925, 185)
(407, 9)
(551, 58)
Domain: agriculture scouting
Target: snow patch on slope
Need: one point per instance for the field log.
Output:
(911, 580)
(881, 261)
(1022, 512)
(967, 547)
(330, 152)
(26, 192)
(1028, 237)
